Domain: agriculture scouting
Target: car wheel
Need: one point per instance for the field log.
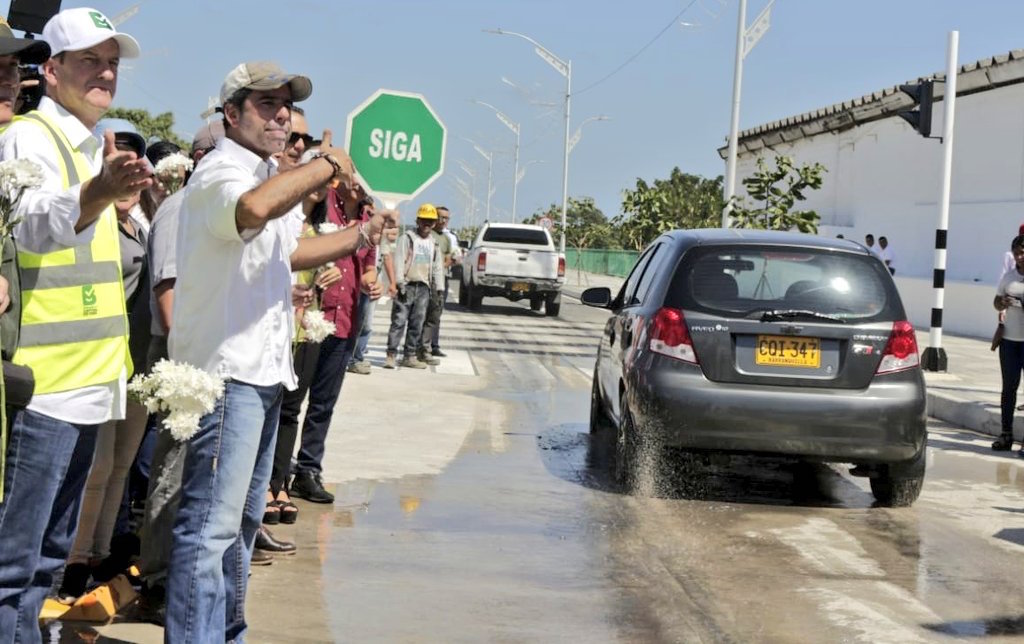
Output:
(627, 449)
(598, 417)
(553, 305)
(536, 303)
(898, 485)
(475, 299)
(463, 291)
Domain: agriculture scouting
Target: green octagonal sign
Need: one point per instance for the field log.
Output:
(397, 144)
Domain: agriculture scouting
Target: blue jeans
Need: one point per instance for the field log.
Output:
(335, 354)
(366, 309)
(1011, 362)
(224, 480)
(48, 462)
(408, 312)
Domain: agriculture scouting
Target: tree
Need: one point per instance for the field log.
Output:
(151, 127)
(681, 201)
(773, 208)
(585, 224)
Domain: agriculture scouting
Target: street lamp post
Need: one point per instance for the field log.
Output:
(490, 166)
(472, 193)
(578, 134)
(563, 67)
(515, 164)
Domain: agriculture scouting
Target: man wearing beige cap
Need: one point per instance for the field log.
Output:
(233, 318)
(74, 331)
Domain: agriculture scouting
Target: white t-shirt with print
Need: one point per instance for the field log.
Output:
(422, 259)
(1012, 284)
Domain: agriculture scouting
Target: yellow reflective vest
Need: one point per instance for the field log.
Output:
(74, 323)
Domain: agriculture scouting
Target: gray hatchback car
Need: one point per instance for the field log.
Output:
(763, 342)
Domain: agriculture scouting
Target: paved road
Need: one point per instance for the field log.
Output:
(473, 505)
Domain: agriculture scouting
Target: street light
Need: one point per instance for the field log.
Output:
(472, 192)
(563, 67)
(579, 130)
(490, 166)
(522, 170)
(515, 164)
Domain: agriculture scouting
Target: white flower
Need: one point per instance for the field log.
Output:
(316, 325)
(172, 164)
(328, 227)
(183, 392)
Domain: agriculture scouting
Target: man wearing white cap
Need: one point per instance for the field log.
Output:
(233, 317)
(74, 331)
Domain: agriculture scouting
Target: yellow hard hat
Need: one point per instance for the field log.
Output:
(427, 211)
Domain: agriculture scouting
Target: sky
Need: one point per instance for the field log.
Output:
(667, 105)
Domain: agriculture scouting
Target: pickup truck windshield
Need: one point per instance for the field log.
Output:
(530, 236)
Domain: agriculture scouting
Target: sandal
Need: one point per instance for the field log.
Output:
(272, 515)
(1003, 444)
(289, 511)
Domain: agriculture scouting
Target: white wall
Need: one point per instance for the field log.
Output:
(884, 178)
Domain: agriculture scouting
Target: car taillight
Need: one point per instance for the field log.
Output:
(561, 267)
(481, 262)
(670, 337)
(901, 350)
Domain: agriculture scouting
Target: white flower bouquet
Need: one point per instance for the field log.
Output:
(16, 176)
(183, 392)
(171, 170)
(328, 227)
(316, 325)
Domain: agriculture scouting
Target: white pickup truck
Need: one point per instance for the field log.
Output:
(514, 261)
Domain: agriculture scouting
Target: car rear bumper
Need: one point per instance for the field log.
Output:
(884, 423)
(516, 287)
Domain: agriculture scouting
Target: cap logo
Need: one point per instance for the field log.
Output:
(100, 20)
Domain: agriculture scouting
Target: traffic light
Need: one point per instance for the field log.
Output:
(921, 118)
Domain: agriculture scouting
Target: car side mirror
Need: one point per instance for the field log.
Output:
(599, 296)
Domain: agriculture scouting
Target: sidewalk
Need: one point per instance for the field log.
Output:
(967, 395)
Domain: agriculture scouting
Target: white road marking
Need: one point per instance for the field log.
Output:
(829, 548)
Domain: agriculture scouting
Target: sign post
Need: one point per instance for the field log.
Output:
(397, 144)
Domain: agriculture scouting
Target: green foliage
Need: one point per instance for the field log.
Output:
(773, 207)
(467, 233)
(150, 127)
(585, 224)
(681, 201)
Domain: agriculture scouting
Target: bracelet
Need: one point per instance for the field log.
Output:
(334, 164)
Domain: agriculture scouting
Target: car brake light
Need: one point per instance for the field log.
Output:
(481, 262)
(670, 337)
(901, 350)
(561, 267)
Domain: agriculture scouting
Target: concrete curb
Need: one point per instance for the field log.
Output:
(968, 414)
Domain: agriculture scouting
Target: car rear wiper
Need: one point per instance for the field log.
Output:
(790, 314)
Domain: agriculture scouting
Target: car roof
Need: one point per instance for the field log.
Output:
(714, 236)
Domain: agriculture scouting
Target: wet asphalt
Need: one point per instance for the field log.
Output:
(474, 505)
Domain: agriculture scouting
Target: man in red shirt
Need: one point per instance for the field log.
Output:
(346, 205)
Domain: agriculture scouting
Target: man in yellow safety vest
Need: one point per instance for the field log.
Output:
(74, 332)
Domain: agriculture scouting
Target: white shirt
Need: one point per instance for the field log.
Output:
(1009, 263)
(49, 214)
(232, 299)
(1013, 284)
(887, 256)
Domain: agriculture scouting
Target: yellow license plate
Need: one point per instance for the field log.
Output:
(522, 287)
(788, 351)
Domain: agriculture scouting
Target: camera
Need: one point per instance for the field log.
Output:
(31, 94)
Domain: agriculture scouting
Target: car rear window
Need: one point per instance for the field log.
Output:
(743, 281)
(530, 236)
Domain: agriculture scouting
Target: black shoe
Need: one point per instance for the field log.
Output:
(267, 543)
(438, 353)
(76, 580)
(310, 486)
(1003, 444)
(261, 558)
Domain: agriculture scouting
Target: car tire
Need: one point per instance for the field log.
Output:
(627, 449)
(536, 303)
(898, 485)
(553, 305)
(475, 300)
(599, 422)
(463, 290)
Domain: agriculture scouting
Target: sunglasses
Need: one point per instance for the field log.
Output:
(306, 138)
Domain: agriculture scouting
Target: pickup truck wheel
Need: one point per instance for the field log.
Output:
(463, 290)
(475, 299)
(553, 304)
(536, 303)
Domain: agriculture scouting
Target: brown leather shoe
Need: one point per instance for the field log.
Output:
(261, 558)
